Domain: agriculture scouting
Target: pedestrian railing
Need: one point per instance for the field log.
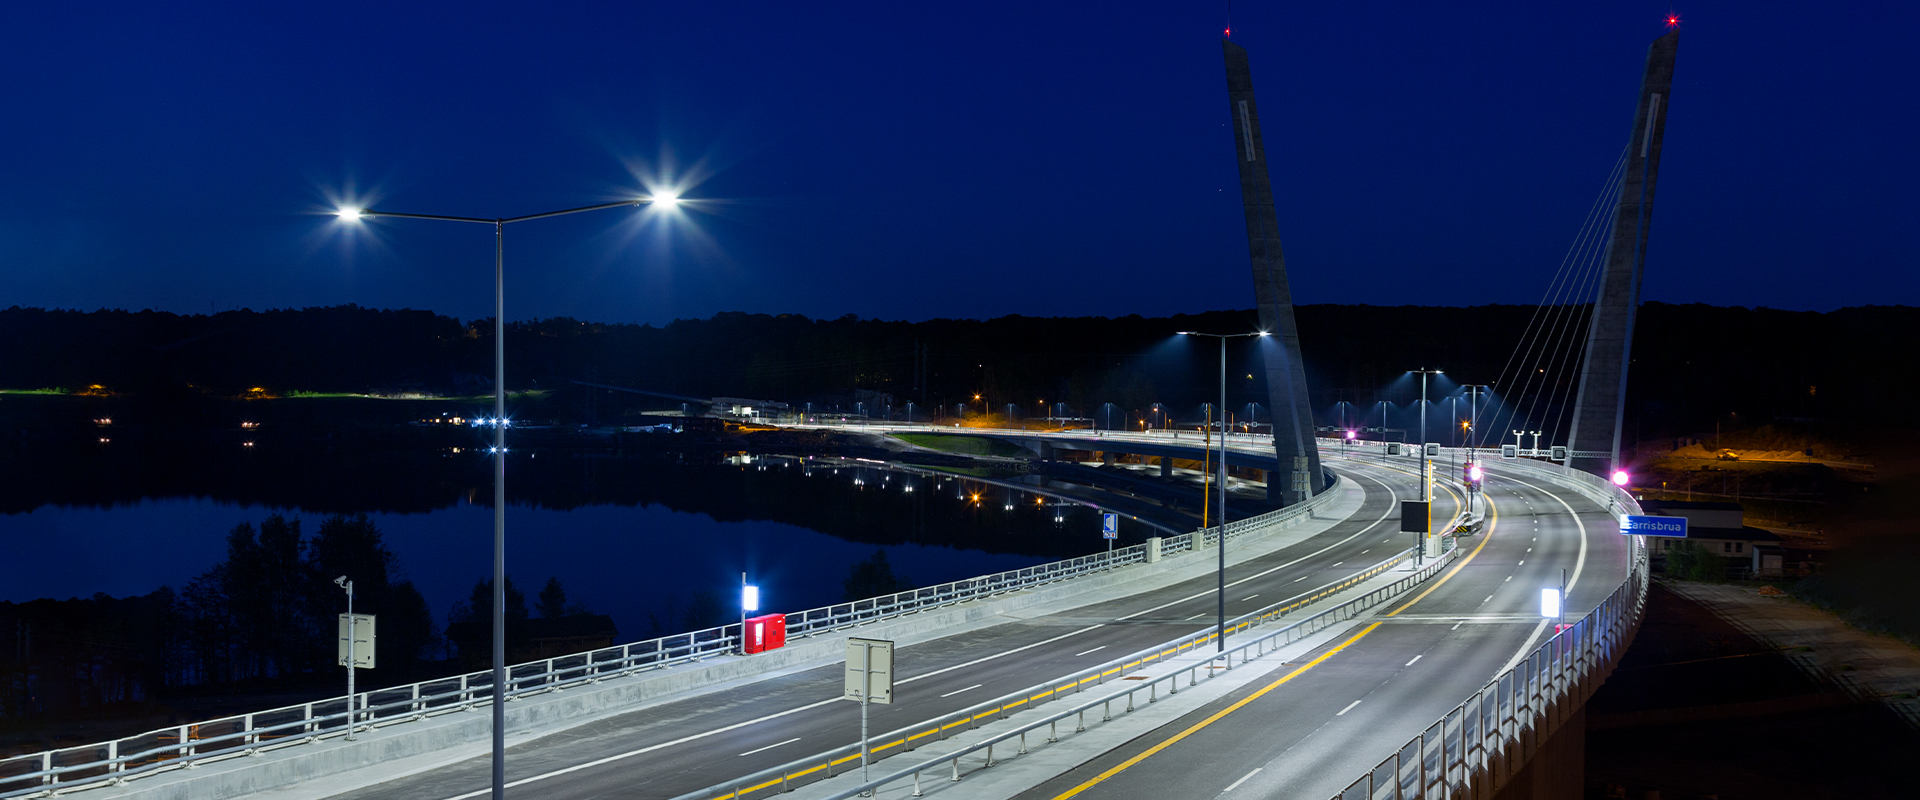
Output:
(117, 761)
(1473, 750)
(1140, 690)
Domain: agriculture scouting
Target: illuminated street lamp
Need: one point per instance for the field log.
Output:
(499, 449)
(1220, 639)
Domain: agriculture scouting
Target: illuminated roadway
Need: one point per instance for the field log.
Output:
(686, 745)
(1309, 729)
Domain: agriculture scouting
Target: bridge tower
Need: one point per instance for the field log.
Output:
(1299, 475)
(1601, 401)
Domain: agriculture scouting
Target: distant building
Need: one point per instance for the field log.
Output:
(1721, 529)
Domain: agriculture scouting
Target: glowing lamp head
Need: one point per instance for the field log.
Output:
(1619, 477)
(350, 214)
(1349, 434)
(666, 199)
(1264, 334)
(1474, 473)
(750, 598)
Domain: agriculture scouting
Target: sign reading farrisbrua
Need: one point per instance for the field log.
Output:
(1672, 527)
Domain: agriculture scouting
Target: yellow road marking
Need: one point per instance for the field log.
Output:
(1492, 520)
(1124, 765)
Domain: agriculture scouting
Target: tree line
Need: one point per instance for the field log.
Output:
(1692, 362)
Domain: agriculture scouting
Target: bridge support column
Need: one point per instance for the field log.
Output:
(1166, 467)
(1600, 404)
(1293, 436)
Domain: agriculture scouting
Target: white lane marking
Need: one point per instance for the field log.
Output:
(644, 750)
(1299, 579)
(1484, 602)
(1366, 551)
(1249, 597)
(1418, 657)
(1529, 549)
(769, 747)
(1523, 562)
(1094, 650)
(797, 709)
(1196, 616)
(957, 691)
(1391, 508)
(1509, 577)
(1579, 564)
(1456, 626)
(1337, 563)
(1343, 712)
(1243, 779)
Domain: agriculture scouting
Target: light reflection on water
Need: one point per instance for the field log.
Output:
(622, 560)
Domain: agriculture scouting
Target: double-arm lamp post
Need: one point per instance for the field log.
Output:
(500, 445)
(1220, 639)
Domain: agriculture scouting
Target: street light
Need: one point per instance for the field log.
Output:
(665, 199)
(1425, 485)
(1220, 639)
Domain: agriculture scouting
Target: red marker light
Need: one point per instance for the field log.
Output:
(1227, 32)
(1673, 20)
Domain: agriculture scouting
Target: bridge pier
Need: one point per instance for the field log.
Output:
(1166, 466)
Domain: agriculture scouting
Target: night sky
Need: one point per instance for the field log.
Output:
(909, 161)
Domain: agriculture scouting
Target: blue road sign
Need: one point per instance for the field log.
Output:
(1109, 526)
(1671, 527)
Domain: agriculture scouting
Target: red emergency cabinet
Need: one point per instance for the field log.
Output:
(766, 633)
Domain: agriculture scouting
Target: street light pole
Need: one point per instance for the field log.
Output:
(500, 444)
(1220, 637)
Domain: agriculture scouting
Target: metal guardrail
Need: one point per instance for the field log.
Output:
(822, 765)
(1470, 752)
(1189, 675)
(116, 761)
(1473, 750)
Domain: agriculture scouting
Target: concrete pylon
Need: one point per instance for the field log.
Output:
(1600, 404)
(1293, 440)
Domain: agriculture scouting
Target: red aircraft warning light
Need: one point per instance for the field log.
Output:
(1673, 20)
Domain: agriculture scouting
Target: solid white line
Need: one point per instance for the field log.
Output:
(736, 726)
(1094, 650)
(1209, 593)
(1249, 597)
(1343, 712)
(644, 750)
(1243, 779)
(769, 747)
(1578, 565)
(968, 689)
(1417, 658)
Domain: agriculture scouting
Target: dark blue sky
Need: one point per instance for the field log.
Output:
(907, 161)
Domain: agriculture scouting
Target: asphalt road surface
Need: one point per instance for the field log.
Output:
(1308, 729)
(686, 745)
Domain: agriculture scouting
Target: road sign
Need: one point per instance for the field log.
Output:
(1414, 517)
(362, 641)
(869, 671)
(1109, 525)
(1393, 448)
(1670, 527)
(1432, 450)
(1509, 451)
